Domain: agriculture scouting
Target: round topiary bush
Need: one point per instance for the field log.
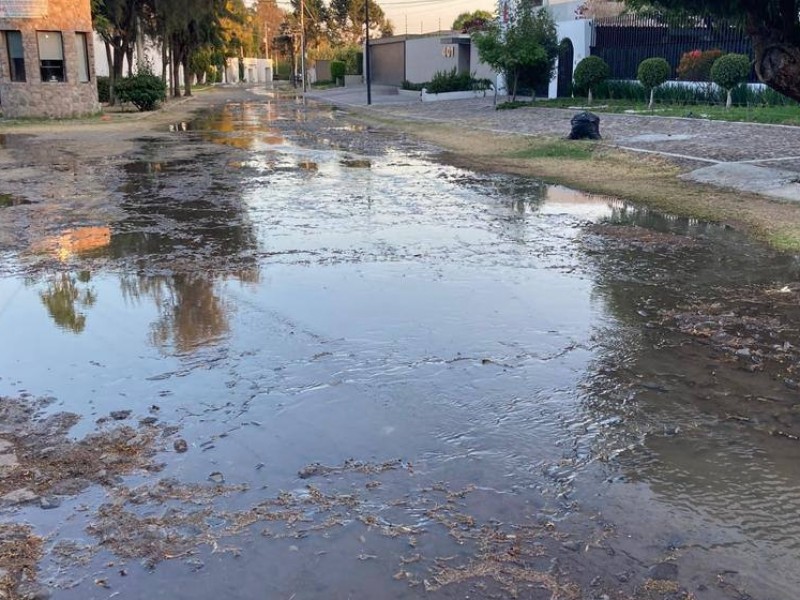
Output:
(652, 73)
(338, 69)
(729, 71)
(589, 73)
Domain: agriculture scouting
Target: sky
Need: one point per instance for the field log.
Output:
(424, 16)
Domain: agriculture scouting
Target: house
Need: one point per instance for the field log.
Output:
(416, 58)
(45, 66)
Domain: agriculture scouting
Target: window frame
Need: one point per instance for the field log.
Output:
(55, 70)
(82, 49)
(16, 72)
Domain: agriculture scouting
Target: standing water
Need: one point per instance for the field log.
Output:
(310, 360)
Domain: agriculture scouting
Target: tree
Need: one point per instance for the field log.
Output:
(347, 21)
(600, 9)
(589, 73)
(773, 27)
(116, 22)
(652, 73)
(525, 50)
(316, 20)
(267, 20)
(729, 71)
(186, 27)
(467, 22)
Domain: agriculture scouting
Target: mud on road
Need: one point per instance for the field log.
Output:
(261, 349)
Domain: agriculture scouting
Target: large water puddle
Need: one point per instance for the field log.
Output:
(362, 373)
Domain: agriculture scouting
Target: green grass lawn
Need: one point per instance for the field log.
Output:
(783, 115)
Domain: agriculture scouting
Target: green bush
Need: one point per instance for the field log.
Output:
(589, 73)
(449, 81)
(691, 95)
(729, 71)
(144, 90)
(414, 87)
(359, 63)
(337, 70)
(696, 65)
(352, 57)
(652, 73)
(104, 89)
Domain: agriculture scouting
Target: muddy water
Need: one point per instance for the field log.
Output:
(414, 379)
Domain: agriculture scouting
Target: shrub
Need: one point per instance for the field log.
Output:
(696, 65)
(729, 71)
(652, 73)
(414, 87)
(352, 57)
(104, 89)
(589, 73)
(144, 90)
(449, 81)
(337, 70)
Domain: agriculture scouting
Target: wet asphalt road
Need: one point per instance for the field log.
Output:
(396, 378)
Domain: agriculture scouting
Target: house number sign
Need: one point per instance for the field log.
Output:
(449, 51)
(23, 9)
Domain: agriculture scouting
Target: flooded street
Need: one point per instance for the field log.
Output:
(272, 352)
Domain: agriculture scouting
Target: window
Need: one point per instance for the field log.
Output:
(82, 48)
(51, 55)
(16, 55)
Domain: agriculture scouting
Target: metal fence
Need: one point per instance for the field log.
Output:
(625, 41)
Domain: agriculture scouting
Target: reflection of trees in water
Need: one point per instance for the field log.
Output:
(64, 297)
(191, 313)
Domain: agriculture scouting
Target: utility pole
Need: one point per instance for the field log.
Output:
(303, 43)
(366, 53)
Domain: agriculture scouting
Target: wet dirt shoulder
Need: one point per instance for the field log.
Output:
(651, 181)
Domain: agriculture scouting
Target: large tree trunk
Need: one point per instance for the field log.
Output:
(112, 99)
(187, 76)
(777, 58)
(164, 62)
(176, 63)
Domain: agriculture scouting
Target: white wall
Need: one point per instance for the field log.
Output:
(152, 53)
(563, 10)
(256, 70)
(425, 56)
(579, 31)
(480, 69)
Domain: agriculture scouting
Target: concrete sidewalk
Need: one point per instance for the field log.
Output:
(752, 157)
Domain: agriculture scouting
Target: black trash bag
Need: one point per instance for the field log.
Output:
(585, 126)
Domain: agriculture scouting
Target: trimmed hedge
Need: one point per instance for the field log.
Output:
(338, 69)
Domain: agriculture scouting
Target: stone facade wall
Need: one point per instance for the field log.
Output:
(33, 97)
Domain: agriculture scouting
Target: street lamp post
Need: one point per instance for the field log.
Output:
(303, 43)
(366, 53)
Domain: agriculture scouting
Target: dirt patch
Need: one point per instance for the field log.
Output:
(39, 460)
(753, 330)
(351, 466)
(756, 328)
(20, 552)
(641, 238)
